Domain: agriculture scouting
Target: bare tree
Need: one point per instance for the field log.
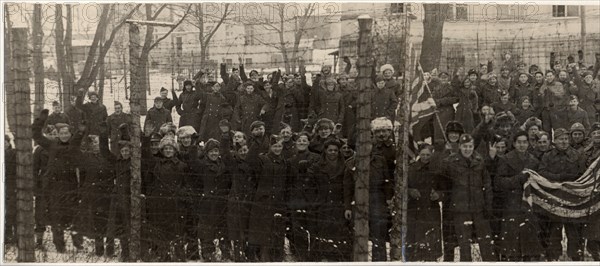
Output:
(38, 58)
(199, 18)
(295, 25)
(11, 114)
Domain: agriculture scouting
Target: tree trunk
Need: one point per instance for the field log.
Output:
(101, 78)
(283, 49)
(433, 27)
(25, 218)
(364, 145)
(68, 44)
(137, 94)
(38, 58)
(11, 114)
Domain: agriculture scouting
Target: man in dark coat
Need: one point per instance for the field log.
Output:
(187, 106)
(114, 122)
(95, 112)
(383, 100)
(471, 198)
(168, 103)
(157, 115)
(560, 165)
(76, 116)
(57, 115)
(10, 186)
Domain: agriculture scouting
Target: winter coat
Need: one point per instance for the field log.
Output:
(587, 93)
(95, 114)
(241, 192)
(97, 184)
(40, 163)
(566, 117)
(187, 108)
(467, 107)
(490, 94)
(445, 98)
(328, 104)
(555, 96)
(248, 110)
(387, 150)
(316, 143)
(522, 115)
(60, 175)
(518, 90)
(213, 200)
(274, 111)
(350, 100)
(213, 108)
(257, 145)
(55, 118)
(379, 190)
(504, 83)
(269, 204)
(75, 115)
(519, 226)
(303, 185)
(113, 122)
(592, 229)
(423, 239)
(561, 166)
(297, 100)
(471, 183)
(501, 107)
(383, 103)
(157, 117)
(231, 84)
(164, 202)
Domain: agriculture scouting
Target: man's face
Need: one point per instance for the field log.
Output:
(549, 77)
(505, 72)
(236, 72)
(425, 155)
(574, 103)
(473, 77)
(522, 78)
(532, 131)
(297, 80)
(444, 78)
(277, 148)
(52, 135)
(588, 79)
(382, 134)
(254, 76)
(484, 69)
(93, 98)
(249, 89)
(118, 109)
(325, 131)
(73, 100)
(539, 78)
(216, 87)
(326, 70)
(188, 87)
(302, 143)
(347, 151)
(168, 151)
(56, 109)
(186, 141)
(562, 142)
(521, 67)
(501, 147)
(387, 74)
(243, 151)
(595, 136)
(521, 144)
(332, 152)
(213, 154)
(466, 149)
(154, 147)
(504, 98)
(505, 129)
(64, 135)
(125, 152)
(525, 104)
(578, 137)
(543, 144)
(381, 84)
(343, 81)
(290, 83)
(258, 131)
(493, 81)
(238, 137)
(158, 104)
(286, 133)
(163, 94)
(563, 75)
(467, 83)
(507, 57)
(453, 137)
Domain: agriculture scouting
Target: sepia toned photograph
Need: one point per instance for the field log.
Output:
(300, 132)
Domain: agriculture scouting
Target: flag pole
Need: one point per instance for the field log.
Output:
(437, 117)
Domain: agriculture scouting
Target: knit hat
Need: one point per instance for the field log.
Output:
(163, 89)
(224, 123)
(253, 71)
(472, 71)
(454, 126)
(118, 103)
(386, 67)
(559, 132)
(211, 144)
(379, 78)
(587, 73)
(465, 138)
(324, 122)
(158, 99)
(185, 131)
(256, 124)
(168, 141)
(60, 126)
(188, 82)
(55, 103)
(577, 127)
(283, 125)
(381, 123)
(166, 128)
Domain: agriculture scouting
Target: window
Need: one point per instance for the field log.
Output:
(248, 62)
(396, 8)
(457, 12)
(179, 42)
(348, 48)
(565, 11)
(249, 35)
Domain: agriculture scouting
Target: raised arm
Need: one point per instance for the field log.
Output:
(36, 130)
(243, 73)
(224, 74)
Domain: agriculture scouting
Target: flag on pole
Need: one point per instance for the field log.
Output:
(421, 101)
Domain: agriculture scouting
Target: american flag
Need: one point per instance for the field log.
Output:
(421, 101)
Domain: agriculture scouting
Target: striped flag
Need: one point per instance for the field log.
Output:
(421, 101)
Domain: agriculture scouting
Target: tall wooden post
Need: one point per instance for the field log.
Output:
(136, 174)
(364, 145)
(25, 217)
(583, 30)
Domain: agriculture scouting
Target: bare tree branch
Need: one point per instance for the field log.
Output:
(160, 9)
(172, 29)
(225, 14)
